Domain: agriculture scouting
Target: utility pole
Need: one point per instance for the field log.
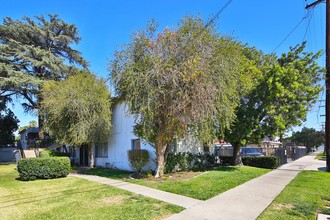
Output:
(327, 85)
(327, 78)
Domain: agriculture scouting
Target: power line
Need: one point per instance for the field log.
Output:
(216, 16)
(308, 23)
(289, 34)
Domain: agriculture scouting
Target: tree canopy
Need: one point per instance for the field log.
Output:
(33, 51)
(178, 81)
(279, 99)
(308, 137)
(8, 124)
(77, 110)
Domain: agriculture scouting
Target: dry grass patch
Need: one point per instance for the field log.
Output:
(283, 206)
(170, 177)
(114, 200)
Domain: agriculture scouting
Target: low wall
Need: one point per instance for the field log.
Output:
(7, 155)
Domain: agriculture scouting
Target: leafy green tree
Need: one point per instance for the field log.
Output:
(308, 137)
(178, 82)
(8, 124)
(32, 124)
(33, 51)
(77, 110)
(279, 99)
(21, 128)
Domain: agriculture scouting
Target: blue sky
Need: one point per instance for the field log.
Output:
(105, 25)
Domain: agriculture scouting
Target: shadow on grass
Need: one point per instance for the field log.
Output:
(323, 169)
(225, 168)
(104, 172)
(121, 174)
(22, 180)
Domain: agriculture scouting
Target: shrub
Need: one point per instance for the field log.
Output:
(262, 162)
(43, 167)
(171, 163)
(191, 160)
(45, 153)
(225, 160)
(53, 153)
(182, 162)
(204, 161)
(185, 161)
(138, 159)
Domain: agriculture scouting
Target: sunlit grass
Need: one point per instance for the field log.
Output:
(307, 195)
(73, 198)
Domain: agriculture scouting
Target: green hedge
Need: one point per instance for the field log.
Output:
(138, 159)
(43, 167)
(262, 162)
(53, 153)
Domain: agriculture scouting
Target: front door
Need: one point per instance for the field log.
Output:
(83, 156)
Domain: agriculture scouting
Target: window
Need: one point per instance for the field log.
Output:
(136, 145)
(101, 149)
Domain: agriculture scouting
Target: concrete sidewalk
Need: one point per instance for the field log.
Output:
(248, 200)
(172, 198)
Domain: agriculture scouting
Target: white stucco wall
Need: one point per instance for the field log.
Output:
(119, 142)
(190, 144)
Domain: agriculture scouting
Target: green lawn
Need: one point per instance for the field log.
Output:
(73, 198)
(303, 198)
(202, 187)
(320, 156)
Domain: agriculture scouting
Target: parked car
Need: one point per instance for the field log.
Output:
(224, 150)
(251, 151)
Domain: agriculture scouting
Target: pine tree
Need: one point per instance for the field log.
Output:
(33, 51)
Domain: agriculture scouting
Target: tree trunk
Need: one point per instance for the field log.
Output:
(237, 158)
(91, 156)
(40, 126)
(160, 152)
(41, 118)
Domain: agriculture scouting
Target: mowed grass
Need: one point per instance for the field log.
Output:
(307, 195)
(203, 187)
(73, 198)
